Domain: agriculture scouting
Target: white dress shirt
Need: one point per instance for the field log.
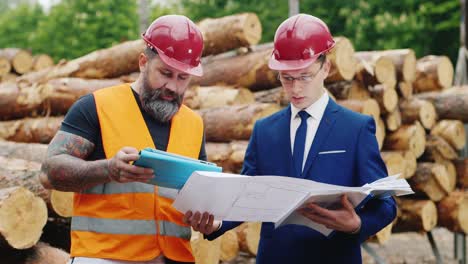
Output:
(315, 111)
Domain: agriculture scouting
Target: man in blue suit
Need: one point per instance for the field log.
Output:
(316, 139)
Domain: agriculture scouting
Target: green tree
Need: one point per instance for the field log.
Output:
(17, 27)
(77, 27)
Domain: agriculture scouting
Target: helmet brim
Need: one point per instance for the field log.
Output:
(186, 68)
(290, 65)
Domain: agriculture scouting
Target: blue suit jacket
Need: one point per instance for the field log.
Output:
(269, 153)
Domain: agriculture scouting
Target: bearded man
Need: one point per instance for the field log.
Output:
(117, 217)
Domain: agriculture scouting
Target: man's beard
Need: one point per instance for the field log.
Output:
(153, 103)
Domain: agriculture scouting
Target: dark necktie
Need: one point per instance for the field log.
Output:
(299, 143)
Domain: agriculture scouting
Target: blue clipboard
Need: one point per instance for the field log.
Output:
(171, 170)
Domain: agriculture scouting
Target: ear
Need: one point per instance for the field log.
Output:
(142, 61)
(327, 66)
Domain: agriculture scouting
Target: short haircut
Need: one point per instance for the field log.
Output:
(322, 58)
(150, 53)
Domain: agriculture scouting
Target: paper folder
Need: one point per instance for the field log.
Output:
(171, 170)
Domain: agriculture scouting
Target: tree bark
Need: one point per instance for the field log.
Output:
(438, 149)
(21, 60)
(230, 156)
(272, 96)
(452, 131)
(433, 73)
(18, 101)
(343, 64)
(112, 62)
(431, 180)
(375, 69)
(461, 166)
(9, 77)
(418, 110)
(394, 162)
(367, 107)
(416, 215)
(41, 253)
(407, 138)
(63, 92)
(219, 96)
(22, 217)
(27, 151)
(450, 104)
(453, 212)
(230, 32)
(31, 130)
(246, 70)
(236, 122)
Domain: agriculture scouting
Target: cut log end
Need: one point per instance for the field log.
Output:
(453, 212)
(5, 66)
(42, 61)
(416, 215)
(452, 131)
(343, 62)
(445, 72)
(22, 217)
(229, 246)
(62, 203)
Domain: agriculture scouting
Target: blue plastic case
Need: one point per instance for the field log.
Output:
(171, 170)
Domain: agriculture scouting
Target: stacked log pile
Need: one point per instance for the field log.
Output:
(15, 62)
(418, 116)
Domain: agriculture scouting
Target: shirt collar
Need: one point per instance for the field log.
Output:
(315, 110)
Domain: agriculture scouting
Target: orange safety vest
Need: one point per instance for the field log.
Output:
(133, 221)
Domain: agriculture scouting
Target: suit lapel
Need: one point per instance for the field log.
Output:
(324, 129)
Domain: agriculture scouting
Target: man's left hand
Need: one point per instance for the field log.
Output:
(342, 219)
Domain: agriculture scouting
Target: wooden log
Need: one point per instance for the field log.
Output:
(63, 92)
(230, 156)
(31, 130)
(249, 236)
(438, 149)
(205, 251)
(21, 60)
(42, 61)
(5, 66)
(22, 217)
(451, 173)
(386, 97)
(340, 89)
(343, 64)
(235, 122)
(219, 96)
(452, 131)
(416, 215)
(405, 89)
(111, 62)
(366, 107)
(9, 77)
(393, 120)
(431, 181)
(407, 138)
(25, 173)
(380, 132)
(404, 61)
(433, 73)
(395, 162)
(229, 246)
(450, 103)
(246, 70)
(272, 96)
(461, 166)
(453, 212)
(410, 164)
(230, 32)
(375, 69)
(18, 101)
(27, 151)
(418, 110)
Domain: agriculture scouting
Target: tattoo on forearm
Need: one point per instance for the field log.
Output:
(66, 167)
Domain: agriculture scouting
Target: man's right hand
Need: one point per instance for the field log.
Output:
(120, 169)
(203, 223)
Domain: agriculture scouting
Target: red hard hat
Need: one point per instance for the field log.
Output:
(178, 41)
(299, 41)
